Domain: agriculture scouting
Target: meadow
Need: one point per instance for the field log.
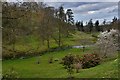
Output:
(44, 41)
(28, 67)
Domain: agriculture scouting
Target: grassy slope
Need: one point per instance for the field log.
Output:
(32, 42)
(105, 70)
(28, 67)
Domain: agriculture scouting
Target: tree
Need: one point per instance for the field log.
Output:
(104, 22)
(10, 22)
(90, 25)
(78, 25)
(70, 21)
(114, 19)
(28, 19)
(45, 24)
(114, 23)
(62, 17)
(81, 25)
(49, 26)
(70, 16)
(107, 43)
(97, 26)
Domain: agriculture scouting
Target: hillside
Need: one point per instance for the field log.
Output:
(28, 68)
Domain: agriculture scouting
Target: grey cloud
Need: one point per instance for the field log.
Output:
(92, 7)
(67, 4)
(87, 10)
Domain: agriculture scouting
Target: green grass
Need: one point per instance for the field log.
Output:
(32, 42)
(105, 70)
(27, 68)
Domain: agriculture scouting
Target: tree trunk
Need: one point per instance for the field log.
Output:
(48, 43)
(14, 39)
(59, 43)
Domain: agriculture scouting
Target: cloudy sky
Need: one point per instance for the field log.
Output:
(87, 10)
(84, 11)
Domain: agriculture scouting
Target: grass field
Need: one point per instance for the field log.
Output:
(32, 42)
(27, 68)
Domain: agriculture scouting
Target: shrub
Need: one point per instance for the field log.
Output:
(71, 62)
(90, 60)
(68, 63)
(77, 63)
(68, 60)
(78, 66)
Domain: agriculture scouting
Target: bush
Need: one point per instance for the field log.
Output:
(77, 63)
(90, 60)
(68, 63)
(68, 60)
(71, 62)
(77, 66)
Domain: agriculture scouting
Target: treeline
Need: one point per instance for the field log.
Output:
(96, 27)
(32, 18)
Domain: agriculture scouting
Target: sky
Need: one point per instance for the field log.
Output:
(84, 11)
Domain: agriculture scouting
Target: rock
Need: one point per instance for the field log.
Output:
(115, 60)
(22, 57)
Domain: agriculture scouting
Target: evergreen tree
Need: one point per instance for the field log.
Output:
(104, 22)
(90, 25)
(70, 16)
(78, 25)
(62, 17)
(81, 25)
(97, 26)
(114, 19)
